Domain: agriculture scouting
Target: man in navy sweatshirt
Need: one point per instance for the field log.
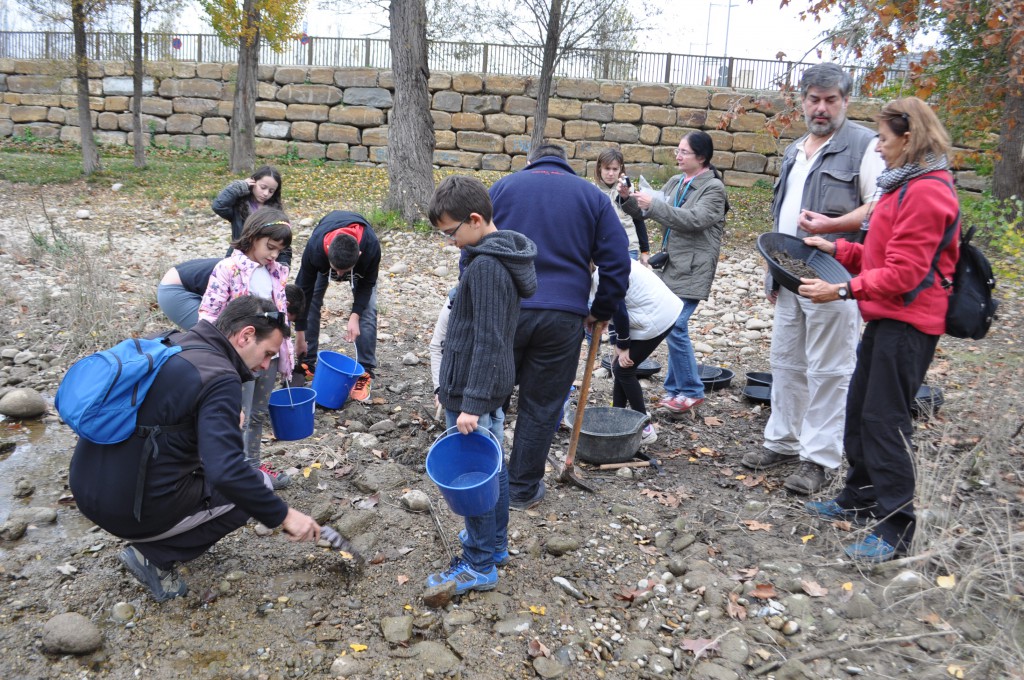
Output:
(573, 223)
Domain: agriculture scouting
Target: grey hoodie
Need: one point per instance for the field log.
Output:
(478, 366)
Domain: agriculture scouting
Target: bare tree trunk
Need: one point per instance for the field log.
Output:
(554, 34)
(90, 155)
(137, 76)
(243, 115)
(411, 135)
(1008, 177)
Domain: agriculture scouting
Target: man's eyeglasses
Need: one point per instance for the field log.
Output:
(280, 318)
(450, 233)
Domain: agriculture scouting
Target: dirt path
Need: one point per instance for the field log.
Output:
(696, 568)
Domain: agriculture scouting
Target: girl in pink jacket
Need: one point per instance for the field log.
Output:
(253, 269)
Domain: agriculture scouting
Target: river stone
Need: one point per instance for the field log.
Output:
(122, 612)
(436, 657)
(382, 426)
(24, 356)
(440, 595)
(23, 487)
(346, 666)
(734, 648)
(83, 215)
(712, 671)
(416, 500)
(457, 619)
(71, 633)
(396, 629)
(548, 668)
(364, 441)
(35, 515)
(513, 625)
(13, 529)
(860, 606)
(398, 268)
(559, 545)
(23, 402)
(638, 647)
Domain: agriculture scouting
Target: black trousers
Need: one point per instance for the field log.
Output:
(892, 360)
(626, 388)
(547, 351)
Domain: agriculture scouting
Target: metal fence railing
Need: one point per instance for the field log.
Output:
(649, 67)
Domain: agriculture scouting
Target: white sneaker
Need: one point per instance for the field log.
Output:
(650, 435)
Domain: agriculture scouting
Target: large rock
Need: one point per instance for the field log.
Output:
(71, 633)
(23, 402)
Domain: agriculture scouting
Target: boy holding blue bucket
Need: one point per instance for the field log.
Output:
(477, 366)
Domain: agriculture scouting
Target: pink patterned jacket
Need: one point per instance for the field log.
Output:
(230, 279)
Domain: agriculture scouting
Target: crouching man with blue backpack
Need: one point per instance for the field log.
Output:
(179, 483)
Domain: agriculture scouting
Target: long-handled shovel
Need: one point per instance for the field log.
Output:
(567, 473)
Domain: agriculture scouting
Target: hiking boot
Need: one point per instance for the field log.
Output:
(831, 510)
(871, 549)
(683, 404)
(500, 556)
(528, 504)
(466, 578)
(809, 478)
(361, 390)
(280, 480)
(650, 435)
(164, 584)
(764, 459)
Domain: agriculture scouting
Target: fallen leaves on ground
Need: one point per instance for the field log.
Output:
(754, 525)
(734, 609)
(764, 591)
(537, 648)
(813, 589)
(629, 594)
(368, 503)
(713, 421)
(700, 647)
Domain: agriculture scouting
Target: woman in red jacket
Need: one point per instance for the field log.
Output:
(913, 225)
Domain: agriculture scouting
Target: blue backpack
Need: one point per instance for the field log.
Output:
(100, 394)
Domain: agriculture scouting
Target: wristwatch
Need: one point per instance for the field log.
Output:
(844, 293)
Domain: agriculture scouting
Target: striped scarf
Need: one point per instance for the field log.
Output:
(892, 179)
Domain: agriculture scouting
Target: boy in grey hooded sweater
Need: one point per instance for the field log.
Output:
(477, 365)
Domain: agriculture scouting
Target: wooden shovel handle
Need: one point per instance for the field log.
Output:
(588, 372)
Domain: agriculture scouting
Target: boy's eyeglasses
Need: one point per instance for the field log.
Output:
(280, 318)
(450, 233)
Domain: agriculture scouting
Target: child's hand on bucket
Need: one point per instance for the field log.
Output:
(467, 422)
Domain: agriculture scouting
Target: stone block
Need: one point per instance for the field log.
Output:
(53, 115)
(439, 81)
(45, 100)
(38, 84)
(517, 144)
(965, 179)
(200, 107)
(566, 109)
(518, 163)
(106, 121)
(216, 126)
(264, 72)
(692, 97)
(467, 121)
(355, 77)
(304, 131)
(271, 111)
(602, 113)
(447, 101)
(470, 83)
(34, 67)
(220, 143)
(309, 150)
(228, 73)
(520, 106)
(309, 94)
(579, 166)
(444, 139)
(28, 114)
(71, 118)
(442, 120)
(66, 134)
(795, 130)
(864, 109)
(659, 115)
(483, 142)
(612, 92)
(650, 134)
(582, 129)
(504, 124)
(486, 103)
(375, 136)
(192, 87)
(6, 127)
(734, 178)
(368, 96)
(577, 88)
(627, 113)
(116, 104)
(624, 133)
(664, 155)
(635, 153)
(183, 69)
(188, 142)
(693, 118)
(125, 86)
(731, 101)
(748, 122)
(504, 85)
(716, 120)
(264, 90)
(672, 135)
(116, 68)
(334, 133)
(378, 154)
(337, 152)
(110, 137)
(5, 110)
(552, 129)
(360, 116)
(650, 94)
(285, 75)
(773, 166)
(457, 159)
(39, 130)
(320, 75)
(70, 86)
(313, 112)
(495, 161)
(721, 139)
(750, 162)
(211, 71)
(271, 147)
(724, 160)
(273, 129)
(758, 143)
(358, 153)
(590, 150)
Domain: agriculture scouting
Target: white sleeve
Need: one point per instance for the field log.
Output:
(871, 166)
(437, 342)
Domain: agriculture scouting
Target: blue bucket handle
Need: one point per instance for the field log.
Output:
(501, 451)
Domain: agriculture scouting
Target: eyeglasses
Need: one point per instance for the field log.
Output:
(684, 152)
(280, 318)
(450, 233)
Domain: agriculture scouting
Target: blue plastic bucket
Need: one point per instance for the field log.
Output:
(335, 375)
(291, 412)
(465, 468)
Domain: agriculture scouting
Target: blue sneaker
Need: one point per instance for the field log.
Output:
(831, 510)
(871, 549)
(500, 556)
(466, 578)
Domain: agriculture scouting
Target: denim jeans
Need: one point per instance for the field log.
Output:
(366, 343)
(487, 533)
(682, 376)
(255, 397)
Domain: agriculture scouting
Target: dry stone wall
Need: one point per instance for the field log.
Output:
(480, 121)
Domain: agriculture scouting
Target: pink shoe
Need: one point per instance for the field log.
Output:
(665, 401)
(683, 404)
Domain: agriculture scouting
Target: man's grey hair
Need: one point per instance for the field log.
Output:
(826, 76)
(546, 150)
